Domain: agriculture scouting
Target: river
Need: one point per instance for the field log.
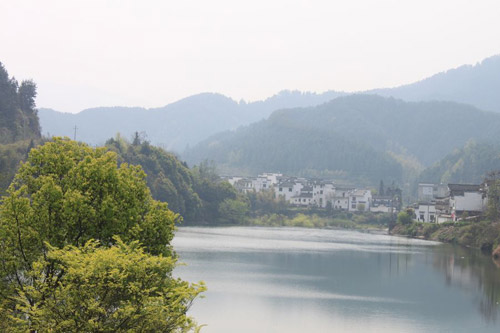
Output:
(314, 280)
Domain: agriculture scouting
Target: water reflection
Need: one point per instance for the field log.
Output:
(296, 280)
(473, 272)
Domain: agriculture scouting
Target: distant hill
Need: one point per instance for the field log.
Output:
(351, 135)
(174, 126)
(469, 164)
(478, 85)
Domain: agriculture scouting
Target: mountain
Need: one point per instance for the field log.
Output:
(478, 85)
(357, 136)
(469, 164)
(174, 126)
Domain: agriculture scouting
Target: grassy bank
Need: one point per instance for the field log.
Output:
(354, 221)
(482, 235)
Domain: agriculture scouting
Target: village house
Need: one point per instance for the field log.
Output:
(340, 200)
(443, 203)
(426, 212)
(466, 199)
(383, 204)
(289, 187)
(360, 200)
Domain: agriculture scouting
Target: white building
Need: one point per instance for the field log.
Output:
(466, 198)
(340, 200)
(426, 212)
(272, 178)
(288, 189)
(360, 200)
(323, 192)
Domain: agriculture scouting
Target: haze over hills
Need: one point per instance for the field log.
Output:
(478, 85)
(351, 135)
(193, 119)
(468, 165)
(174, 126)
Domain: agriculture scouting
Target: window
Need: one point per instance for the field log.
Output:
(321, 192)
(422, 217)
(281, 189)
(289, 189)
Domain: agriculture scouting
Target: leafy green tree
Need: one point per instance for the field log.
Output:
(233, 211)
(168, 179)
(405, 217)
(18, 115)
(67, 194)
(117, 289)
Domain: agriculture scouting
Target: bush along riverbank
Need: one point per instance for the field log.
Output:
(484, 235)
(354, 221)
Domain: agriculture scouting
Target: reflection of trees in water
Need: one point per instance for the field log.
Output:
(472, 271)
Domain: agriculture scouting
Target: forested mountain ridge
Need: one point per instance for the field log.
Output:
(176, 125)
(477, 85)
(468, 165)
(350, 134)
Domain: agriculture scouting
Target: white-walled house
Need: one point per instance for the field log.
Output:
(426, 212)
(323, 192)
(340, 200)
(466, 198)
(272, 178)
(288, 189)
(360, 200)
(382, 204)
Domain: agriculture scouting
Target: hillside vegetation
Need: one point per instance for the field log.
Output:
(357, 137)
(19, 126)
(470, 164)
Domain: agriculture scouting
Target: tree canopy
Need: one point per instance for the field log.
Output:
(68, 198)
(18, 115)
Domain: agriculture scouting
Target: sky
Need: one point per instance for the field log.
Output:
(151, 53)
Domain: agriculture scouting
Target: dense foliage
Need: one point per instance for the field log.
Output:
(67, 195)
(18, 116)
(469, 165)
(197, 194)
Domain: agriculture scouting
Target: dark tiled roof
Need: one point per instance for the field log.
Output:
(459, 189)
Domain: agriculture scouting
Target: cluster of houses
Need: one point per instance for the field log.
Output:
(306, 192)
(439, 203)
(436, 203)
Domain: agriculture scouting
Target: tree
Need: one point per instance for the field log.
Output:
(405, 217)
(492, 183)
(233, 211)
(68, 194)
(381, 188)
(115, 289)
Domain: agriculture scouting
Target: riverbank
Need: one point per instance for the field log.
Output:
(482, 235)
(357, 222)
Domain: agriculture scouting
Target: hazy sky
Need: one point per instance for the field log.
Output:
(153, 52)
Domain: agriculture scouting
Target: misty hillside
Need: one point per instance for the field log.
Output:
(469, 165)
(344, 133)
(176, 125)
(478, 85)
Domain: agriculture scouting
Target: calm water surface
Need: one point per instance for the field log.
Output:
(303, 280)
